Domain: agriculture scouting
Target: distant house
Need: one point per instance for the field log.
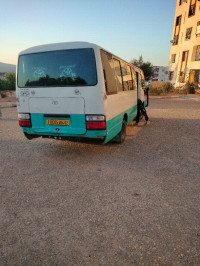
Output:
(160, 73)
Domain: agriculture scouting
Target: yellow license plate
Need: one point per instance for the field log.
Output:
(55, 122)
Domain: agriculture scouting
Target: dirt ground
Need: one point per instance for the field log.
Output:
(67, 203)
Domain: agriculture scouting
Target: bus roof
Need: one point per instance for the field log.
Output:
(58, 46)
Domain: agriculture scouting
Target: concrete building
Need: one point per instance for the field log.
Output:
(184, 61)
(160, 73)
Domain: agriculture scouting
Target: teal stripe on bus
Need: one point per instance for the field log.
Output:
(114, 125)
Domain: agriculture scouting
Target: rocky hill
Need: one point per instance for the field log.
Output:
(5, 68)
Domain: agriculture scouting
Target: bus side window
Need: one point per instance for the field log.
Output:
(105, 80)
(134, 78)
(130, 79)
(108, 71)
(118, 74)
(142, 80)
(125, 76)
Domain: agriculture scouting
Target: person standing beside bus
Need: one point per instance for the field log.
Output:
(140, 105)
(141, 110)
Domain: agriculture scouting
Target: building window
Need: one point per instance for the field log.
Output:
(192, 8)
(197, 56)
(188, 34)
(171, 75)
(183, 66)
(198, 29)
(155, 72)
(177, 30)
(194, 76)
(197, 76)
(180, 2)
(173, 58)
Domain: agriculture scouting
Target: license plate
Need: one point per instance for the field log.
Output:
(55, 122)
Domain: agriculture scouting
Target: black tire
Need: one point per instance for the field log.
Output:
(122, 133)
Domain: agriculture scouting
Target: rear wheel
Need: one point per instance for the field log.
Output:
(120, 138)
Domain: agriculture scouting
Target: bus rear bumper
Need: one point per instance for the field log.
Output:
(93, 134)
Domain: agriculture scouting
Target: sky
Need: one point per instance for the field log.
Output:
(126, 28)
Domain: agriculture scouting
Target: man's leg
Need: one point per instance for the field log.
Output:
(143, 110)
(139, 109)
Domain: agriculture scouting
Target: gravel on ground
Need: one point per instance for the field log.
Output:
(68, 203)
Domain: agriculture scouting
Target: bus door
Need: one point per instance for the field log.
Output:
(138, 86)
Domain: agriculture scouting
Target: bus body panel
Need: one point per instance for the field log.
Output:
(55, 105)
(120, 102)
(40, 98)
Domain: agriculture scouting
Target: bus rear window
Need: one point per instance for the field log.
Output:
(74, 67)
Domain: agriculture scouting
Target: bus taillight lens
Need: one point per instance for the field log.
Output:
(96, 125)
(25, 123)
(24, 120)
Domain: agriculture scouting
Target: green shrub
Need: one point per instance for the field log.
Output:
(167, 87)
(3, 85)
(155, 91)
(189, 88)
(9, 83)
(10, 78)
(160, 87)
(177, 90)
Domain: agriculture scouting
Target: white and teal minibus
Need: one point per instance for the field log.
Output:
(76, 90)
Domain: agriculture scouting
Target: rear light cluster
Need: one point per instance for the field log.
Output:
(24, 120)
(95, 122)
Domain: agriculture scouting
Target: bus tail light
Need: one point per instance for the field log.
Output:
(96, 125)
(95, 122)
(24, 120)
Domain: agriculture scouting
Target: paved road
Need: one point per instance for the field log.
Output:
(137, 203)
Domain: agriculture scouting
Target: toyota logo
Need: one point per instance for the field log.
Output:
(55, 102)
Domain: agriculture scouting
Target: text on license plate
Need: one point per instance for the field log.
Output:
(55, 122)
